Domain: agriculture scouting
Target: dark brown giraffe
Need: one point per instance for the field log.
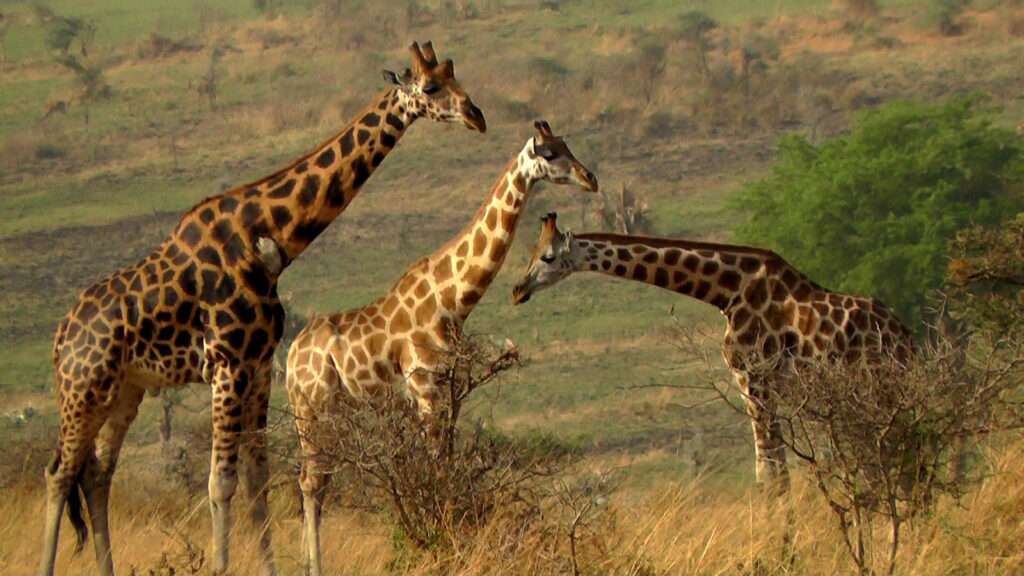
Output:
(776, 316)
(400, 338)
(204, 306)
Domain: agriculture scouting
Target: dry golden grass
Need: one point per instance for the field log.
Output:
(684, 527)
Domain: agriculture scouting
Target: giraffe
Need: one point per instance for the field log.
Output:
(775, 315)
(203, 306)
(398, 338)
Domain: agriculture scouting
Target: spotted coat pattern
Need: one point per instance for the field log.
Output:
(203, 306)
(775, 315)
(398, 338)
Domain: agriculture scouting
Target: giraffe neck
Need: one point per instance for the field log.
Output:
(294, 205)
(477, 253)
(713, 273)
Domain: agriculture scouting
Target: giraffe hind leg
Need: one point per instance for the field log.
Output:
(313, 483)
(63, 482)
(98, 473)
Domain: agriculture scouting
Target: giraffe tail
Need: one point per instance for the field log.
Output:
(74, 501)
(74, 505)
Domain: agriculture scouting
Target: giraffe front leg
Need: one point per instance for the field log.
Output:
(254, 458)
(99, 471)
(770, 451)
(229, 382)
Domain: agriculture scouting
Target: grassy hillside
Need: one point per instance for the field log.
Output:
(95, 188)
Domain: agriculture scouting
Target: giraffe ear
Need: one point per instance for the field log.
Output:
(397, 80)
(567, 239)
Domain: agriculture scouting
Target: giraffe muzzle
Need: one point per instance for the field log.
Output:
(520, 294)
(474, 118)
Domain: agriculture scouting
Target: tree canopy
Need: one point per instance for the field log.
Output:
(871, 212)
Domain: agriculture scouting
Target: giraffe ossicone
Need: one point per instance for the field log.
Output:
(203, 307)
(776, 316)
(399, 338)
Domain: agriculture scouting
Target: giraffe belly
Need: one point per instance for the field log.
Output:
(153, 374)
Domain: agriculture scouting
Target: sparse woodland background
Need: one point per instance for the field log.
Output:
(877, 145)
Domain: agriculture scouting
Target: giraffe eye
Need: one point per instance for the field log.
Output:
(547, 258)
(546, 153)
(431, 89)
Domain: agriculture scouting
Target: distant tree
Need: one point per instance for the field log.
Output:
(64, 31)
(651, 61)
(872, 212)
(693, 28)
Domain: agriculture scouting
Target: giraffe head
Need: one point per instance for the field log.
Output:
(546, 157)
(550, 262)
(433, 92)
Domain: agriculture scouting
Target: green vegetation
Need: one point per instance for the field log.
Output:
(871, 212)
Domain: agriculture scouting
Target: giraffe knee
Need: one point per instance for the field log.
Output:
(223, 485)
(312, 481)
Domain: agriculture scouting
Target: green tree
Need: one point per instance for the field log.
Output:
(871, 212)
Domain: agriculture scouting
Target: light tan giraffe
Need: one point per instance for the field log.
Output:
(775, 316)
(203, 306)
(400, 337)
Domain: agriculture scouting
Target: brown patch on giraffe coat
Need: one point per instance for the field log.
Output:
(807, 350)
(462, 250)
(779, 291)
(729, 280)
(448, 298)
(389, 305)
(380, 370)
(422, 289)
(400, 322)
(508, 219)
(750, 264)
(691, 262)
(756, 294)
(425, 311)
(497, 252)
(775, 316)
(660, 277)
(739, 319)
(479, 243)
(406, 284)
(492, 218)
(805, 320)
(476, 276)
(443, 270)
(859, 319)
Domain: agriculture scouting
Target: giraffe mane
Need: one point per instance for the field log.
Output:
(771, 259)
(656, 242)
